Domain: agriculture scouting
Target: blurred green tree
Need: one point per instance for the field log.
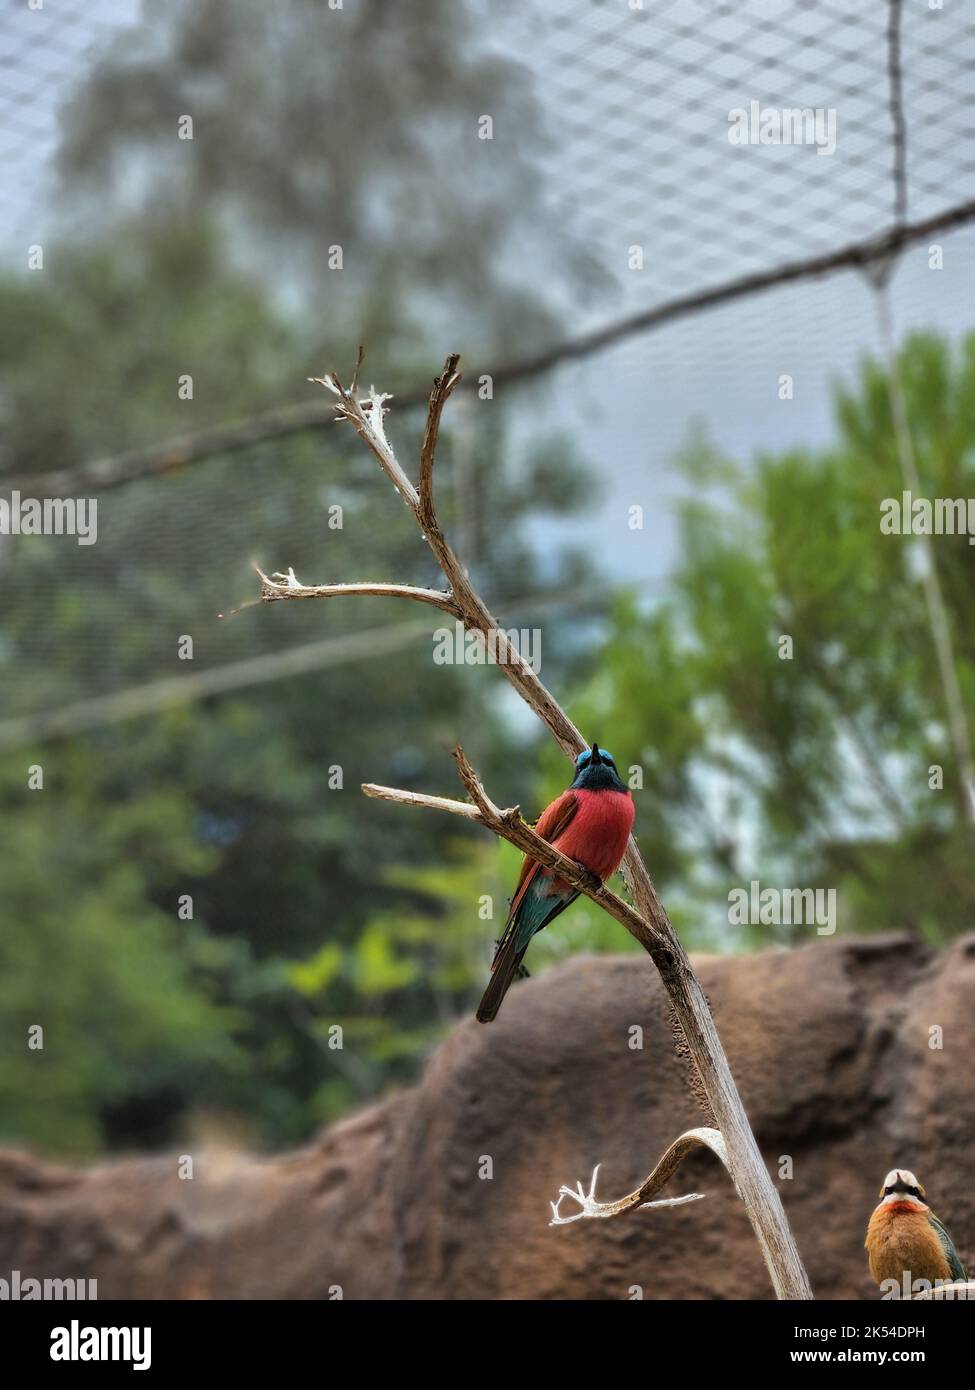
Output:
(125, 995)
(160, 1012)
(342, 150)
(313, 130)
(811, 771)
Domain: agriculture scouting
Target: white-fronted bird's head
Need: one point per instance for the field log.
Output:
(900, 1183)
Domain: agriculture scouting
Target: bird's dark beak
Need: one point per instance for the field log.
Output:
(596, 759)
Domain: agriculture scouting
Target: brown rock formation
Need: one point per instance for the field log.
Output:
(830, 1045)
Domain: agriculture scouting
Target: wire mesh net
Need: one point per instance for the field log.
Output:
(642, 188)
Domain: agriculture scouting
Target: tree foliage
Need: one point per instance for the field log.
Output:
(815, 770)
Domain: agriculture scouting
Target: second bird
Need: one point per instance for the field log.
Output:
(590, 823)
(905, 1240)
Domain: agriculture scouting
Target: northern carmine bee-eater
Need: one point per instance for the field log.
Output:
(589, 823)
(904, 1237)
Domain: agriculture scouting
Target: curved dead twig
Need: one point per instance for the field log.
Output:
(590, 1209)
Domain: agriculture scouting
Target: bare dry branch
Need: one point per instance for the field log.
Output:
(367, 416)
(751, 1178)
(287, 586)
(430, 803)
(590, 1209)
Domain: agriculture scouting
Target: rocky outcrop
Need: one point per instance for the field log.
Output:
(443, 1191)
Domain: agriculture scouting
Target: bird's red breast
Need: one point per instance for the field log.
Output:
(597, 834)
(591, 827)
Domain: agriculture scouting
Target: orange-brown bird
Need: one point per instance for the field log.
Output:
(905, 1240)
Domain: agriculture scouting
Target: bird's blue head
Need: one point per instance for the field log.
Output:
(596, 771)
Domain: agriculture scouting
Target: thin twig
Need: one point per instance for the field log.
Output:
(367, 418)
(442, 388)
(286, 586)
(648, 1189)
(360, 354)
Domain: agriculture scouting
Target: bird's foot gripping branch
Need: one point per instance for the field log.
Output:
(646, 920)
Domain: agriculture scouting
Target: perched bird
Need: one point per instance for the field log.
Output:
(589, 823)
(905, 1237)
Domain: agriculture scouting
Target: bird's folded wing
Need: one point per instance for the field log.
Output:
(551, 824)
(948, 1246)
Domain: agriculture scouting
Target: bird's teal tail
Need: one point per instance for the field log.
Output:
(503, 971)
(539, 906)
